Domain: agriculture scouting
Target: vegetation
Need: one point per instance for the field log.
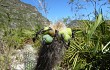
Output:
(89, 49)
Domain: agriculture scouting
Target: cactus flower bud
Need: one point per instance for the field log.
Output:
(47, 38)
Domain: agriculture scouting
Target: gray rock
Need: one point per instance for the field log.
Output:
(24, 59)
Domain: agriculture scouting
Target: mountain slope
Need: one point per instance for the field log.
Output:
(16, 14)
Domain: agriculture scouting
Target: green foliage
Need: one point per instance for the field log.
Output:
(90, 48)
(17, 37)
(12, 39)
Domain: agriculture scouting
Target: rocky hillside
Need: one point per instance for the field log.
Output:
(18, 24)
(16, 14)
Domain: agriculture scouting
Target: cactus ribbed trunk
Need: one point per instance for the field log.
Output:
(49, 55)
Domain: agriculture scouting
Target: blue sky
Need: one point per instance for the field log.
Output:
(58, 9)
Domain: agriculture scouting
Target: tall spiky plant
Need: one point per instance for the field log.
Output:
(50, 54)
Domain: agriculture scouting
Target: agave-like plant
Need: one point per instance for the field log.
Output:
(90, 48)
